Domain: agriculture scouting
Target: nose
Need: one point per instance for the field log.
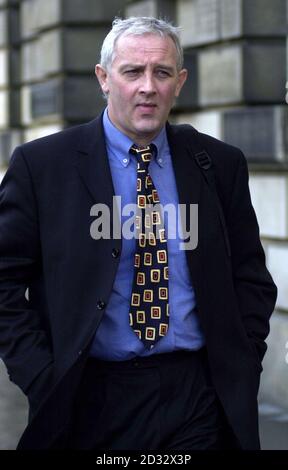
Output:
(147, 85)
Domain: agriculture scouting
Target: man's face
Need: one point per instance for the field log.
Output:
(141, 85)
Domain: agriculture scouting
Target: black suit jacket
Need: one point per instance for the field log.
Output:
(45, 244)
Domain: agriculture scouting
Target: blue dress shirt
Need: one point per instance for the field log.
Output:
(115, 340)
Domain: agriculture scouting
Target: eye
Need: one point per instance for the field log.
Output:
(131, 72)
(163, 73)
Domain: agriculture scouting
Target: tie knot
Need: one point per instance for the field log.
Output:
(143, 155)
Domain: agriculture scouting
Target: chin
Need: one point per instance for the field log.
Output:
(148, 129)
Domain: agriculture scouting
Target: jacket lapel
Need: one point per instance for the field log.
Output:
(93, 165)
(190, 186)
(188, 177)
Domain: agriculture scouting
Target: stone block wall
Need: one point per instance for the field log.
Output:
(48, 50)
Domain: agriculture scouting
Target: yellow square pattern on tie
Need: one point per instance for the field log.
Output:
(162, 236)
(148, 295)
(140, 316)
(155, 275)
(135, 300)
(155, 312)
(147, 259)
(141, 279)
(162, 256)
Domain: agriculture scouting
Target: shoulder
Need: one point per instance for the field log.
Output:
(53, 140)
(62, 145)
(219, 151)
(57, 141)
(226, 159)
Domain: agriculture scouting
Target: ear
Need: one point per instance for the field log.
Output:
(182, 76)
(102, 77)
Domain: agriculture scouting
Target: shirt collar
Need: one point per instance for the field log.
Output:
(118, 144)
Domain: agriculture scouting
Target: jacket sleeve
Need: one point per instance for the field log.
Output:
(255, 289)
(24, 346)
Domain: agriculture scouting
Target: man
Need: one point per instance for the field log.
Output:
(113, 349)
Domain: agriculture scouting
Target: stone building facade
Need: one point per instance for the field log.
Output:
(235, 51)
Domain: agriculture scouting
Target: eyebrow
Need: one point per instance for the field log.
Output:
(141, 67)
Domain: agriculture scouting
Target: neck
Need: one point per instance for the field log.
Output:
(142, 143)
(139, 140)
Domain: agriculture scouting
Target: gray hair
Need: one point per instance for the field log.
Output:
(137, 26)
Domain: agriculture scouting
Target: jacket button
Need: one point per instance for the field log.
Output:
(115, 252)
(100, 305)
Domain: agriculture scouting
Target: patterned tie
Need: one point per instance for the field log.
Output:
(149, 310)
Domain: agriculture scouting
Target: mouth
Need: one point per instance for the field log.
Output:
(148, 107)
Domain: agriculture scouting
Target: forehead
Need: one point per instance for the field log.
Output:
(151, 46)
